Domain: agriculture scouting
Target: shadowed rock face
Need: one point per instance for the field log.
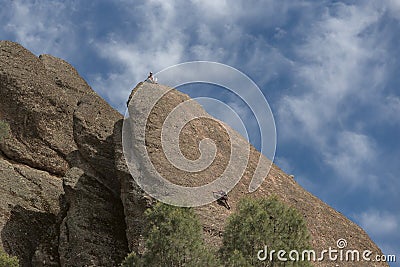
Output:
(67, 197)
(60, 196)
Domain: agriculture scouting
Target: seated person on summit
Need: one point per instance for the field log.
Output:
(150, 78)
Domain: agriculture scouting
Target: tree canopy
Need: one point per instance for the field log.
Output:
(264, 223)
(8, 261)
(173, 238)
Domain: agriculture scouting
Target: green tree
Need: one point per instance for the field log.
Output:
(4, 130)
(173, 238)
(236, 259)
(260, 223)
(8, 261)
(132, 260)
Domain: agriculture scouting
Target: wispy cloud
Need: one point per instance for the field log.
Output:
(389, 110)
(378, 222)
(381, 225)
(211, 30)
(132, 63)
(351, 155)
(44, 27)
(336, 69)
(158, 44)
(393, 7)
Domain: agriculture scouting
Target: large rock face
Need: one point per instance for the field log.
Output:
(60, 203)
(67, 197)
(325, 224)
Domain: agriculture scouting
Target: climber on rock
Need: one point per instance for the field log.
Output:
(222, 199)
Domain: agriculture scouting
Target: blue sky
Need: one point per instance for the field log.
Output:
(329, 70)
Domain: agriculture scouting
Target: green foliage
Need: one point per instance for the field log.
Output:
(4, 130)
(236, 259)
(264, 222)
(8, 261)
(173, 238)
(132, 260)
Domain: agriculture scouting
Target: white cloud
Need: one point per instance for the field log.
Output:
(383, 227)
(379, 223)
(390, 110)
(336, 53)
(299, 118)
(338, 71)
(134, 64)
(393, 7)
(159, 45)
(213, 8)
(42, 27)
(351, 156)
(173, 32)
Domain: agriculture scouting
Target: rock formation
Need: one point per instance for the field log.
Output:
(67, 197)
(60, 203)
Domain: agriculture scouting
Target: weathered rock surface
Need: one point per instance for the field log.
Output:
(29, 202)
(49, 215)
(67, 197)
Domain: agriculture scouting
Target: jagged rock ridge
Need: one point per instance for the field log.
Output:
(67, 197)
